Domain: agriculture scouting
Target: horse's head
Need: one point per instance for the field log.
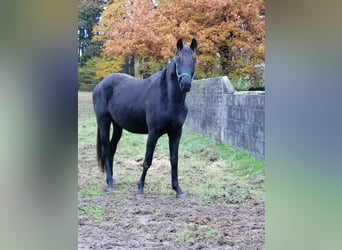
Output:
(185, 59)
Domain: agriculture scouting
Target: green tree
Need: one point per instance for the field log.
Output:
(89, 12)
(96, 68)
(87, 73)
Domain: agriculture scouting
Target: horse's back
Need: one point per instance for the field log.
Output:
(125, 98)
(114, 80)
(113, 84)
(117, 81)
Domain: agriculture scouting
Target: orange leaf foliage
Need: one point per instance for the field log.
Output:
(232, 29)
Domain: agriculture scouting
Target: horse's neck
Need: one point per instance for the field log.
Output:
(174, 92)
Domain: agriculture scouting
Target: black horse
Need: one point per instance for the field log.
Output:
(153, 106)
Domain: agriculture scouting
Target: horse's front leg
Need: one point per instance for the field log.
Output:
(150, 146)
(174, 139)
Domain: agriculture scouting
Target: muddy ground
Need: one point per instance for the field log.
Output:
(118, 220)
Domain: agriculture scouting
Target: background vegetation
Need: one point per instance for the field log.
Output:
(230, 34)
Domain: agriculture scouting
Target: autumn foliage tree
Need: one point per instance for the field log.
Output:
(230, 33)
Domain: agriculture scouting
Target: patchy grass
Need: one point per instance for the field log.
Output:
(194, 233)
(86, 131)
(185, 236)
(94, 191)
(95, 212)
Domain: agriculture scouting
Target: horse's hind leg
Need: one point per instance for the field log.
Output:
(104, 123)
(117, 132)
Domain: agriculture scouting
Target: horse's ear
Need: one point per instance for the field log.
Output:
(180, 44)
(193, 45)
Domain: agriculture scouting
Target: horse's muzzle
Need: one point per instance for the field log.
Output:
(185, 86)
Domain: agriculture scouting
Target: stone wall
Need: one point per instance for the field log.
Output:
(224, 116)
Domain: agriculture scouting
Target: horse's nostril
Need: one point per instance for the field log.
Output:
(185, 86)
(186, 83)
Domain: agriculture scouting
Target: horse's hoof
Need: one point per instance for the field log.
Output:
(140, 197)
(182, 195)
(109, 189)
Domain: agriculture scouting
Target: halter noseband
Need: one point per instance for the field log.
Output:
(184, 74)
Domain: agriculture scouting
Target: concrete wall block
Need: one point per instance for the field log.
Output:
(254, 101)
(258, 148)
(257, 131)
(257, 102)
(235, 119)
(259, 117)
(237, 100)
(235, 113)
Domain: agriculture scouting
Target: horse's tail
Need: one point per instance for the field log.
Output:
(99, 151)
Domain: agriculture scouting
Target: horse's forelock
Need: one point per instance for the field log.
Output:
(183, 53)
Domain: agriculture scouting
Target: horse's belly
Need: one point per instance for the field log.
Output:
(136, 128)
(128, 115)
(134, 124)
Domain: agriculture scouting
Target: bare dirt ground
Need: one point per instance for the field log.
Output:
(118, 220)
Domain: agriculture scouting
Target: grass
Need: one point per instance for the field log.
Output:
(86, 131)
(95, 212)
(193, 234)
(241, 84)
(224, 173)
(94, 191)
(185, 236)
(209, 171)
